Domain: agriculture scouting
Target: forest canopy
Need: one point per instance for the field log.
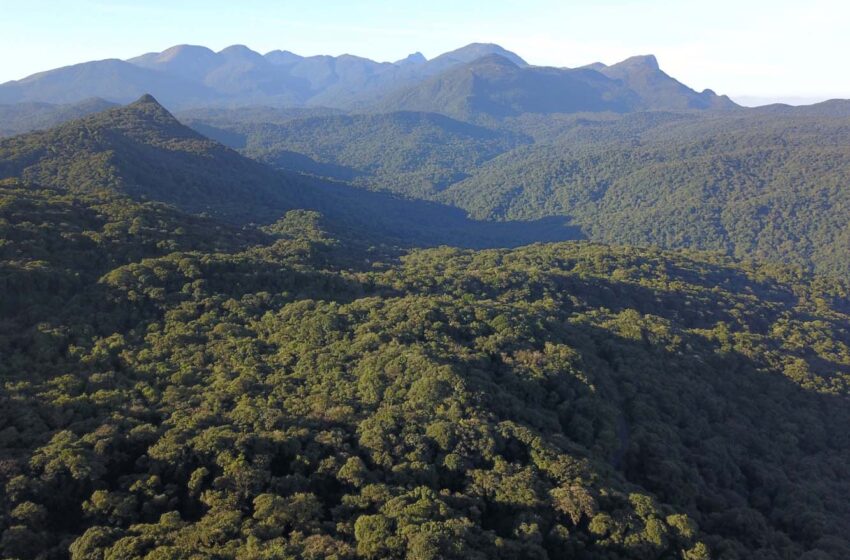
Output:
(185, 376)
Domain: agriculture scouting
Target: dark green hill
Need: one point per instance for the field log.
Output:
(415, 154)
(178, 388)
(176, 385)
(752, 183)
(143, 152)
(765, 186)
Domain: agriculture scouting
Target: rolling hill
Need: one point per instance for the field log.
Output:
(757, 182)
(765, 186)
(143, 152)
(410, 153)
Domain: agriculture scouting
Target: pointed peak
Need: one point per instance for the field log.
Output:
(647, 61)
(148, 105)
(146, 99)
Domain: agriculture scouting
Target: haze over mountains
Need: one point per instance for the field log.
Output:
(476, 78)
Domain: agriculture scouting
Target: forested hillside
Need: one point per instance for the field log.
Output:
(143, 152)
(414, 154)
(767, 187)
(175, 388)
(179, 379)
(768, 183)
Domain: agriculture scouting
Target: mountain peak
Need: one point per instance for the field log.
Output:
(183, 50)
(148, 108)
(493, 59)
(240, 51)
(647, 61)
(474, 51)
(414, 58)
(146, 99)
(282, 57)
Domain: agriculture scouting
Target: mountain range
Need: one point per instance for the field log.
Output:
(450, 309)
(477, 78)
(143, 152)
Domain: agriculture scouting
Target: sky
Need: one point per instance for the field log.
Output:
(756, 51)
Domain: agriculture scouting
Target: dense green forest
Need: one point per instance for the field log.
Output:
(414, 154)
(769, 183)
(174, 387)
(143, 152)
(202, 357)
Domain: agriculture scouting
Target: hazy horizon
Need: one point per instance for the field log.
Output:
(756, 53)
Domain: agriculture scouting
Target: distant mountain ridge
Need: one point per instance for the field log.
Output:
(189, 76)
(23, 117)
(658, 90)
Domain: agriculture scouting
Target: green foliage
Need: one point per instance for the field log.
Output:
(751, 184)
(172, 386)
(416, 154)
(143, 153)
(176, 388)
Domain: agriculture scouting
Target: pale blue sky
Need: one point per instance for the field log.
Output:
(751, 50)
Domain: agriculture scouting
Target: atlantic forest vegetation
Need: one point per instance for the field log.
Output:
(445, 312)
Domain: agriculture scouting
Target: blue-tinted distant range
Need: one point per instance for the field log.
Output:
(478, 79)
(757, 52)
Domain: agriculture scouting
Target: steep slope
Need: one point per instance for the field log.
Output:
(143, 152)
(657, 90)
